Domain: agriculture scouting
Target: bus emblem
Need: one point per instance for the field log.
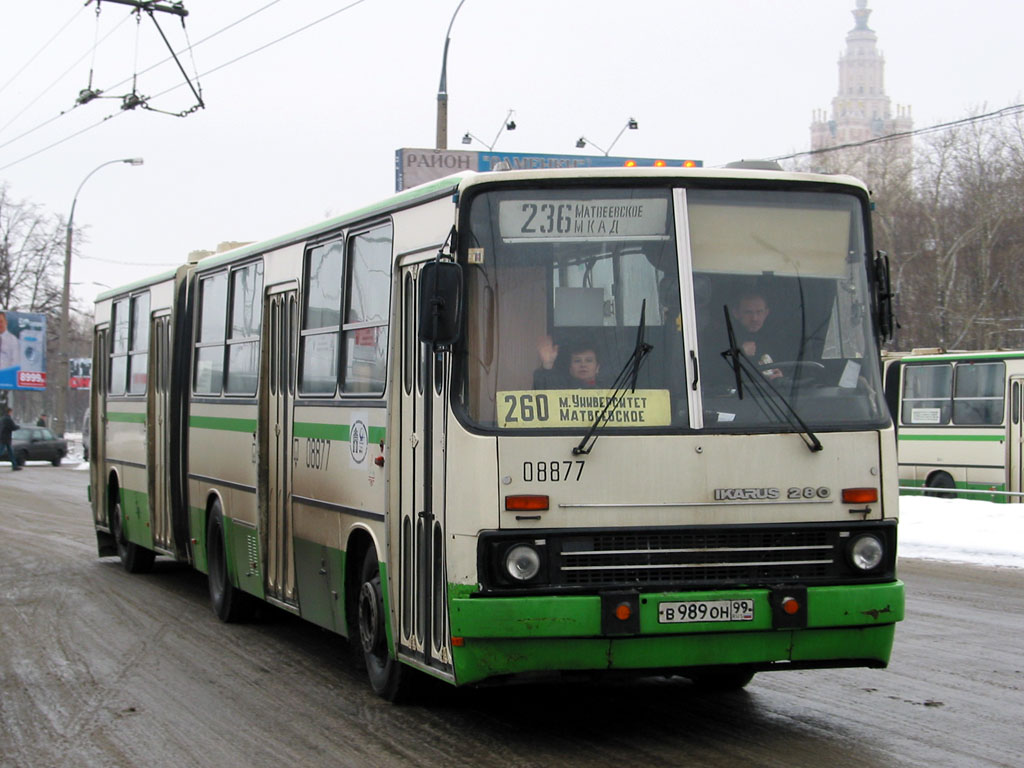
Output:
(358, 441)
(743, 494)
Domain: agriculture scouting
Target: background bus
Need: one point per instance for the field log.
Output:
(958, 422)
(349, 422)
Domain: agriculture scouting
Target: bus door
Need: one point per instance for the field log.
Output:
(1014, 451)
(276, 399)
(158, 438)
(422, 583)
(98, 424)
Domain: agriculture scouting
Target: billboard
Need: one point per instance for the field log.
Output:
(418, 166)
(80, 373)
(22, 350)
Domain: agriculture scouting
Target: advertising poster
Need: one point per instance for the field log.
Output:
(80, 373)
(22, 350)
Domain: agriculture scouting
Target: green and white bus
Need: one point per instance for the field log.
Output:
(959, 423)
(349, 422)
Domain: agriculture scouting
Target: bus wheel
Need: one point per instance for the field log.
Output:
(228, 602)
(134, 558)
(940, 480)
(388, 677)
(722, 679)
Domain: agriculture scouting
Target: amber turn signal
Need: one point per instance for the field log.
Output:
(526, 503)
(860, 495)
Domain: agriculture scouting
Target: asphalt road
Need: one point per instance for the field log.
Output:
(101, 668)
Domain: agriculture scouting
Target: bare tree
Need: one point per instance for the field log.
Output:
(950, 212)
(31, 256)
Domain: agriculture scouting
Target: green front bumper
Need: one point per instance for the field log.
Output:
(846, 626)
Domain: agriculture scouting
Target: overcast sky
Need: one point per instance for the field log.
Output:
(308, 127)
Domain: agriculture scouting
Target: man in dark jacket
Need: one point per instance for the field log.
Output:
(7, 427)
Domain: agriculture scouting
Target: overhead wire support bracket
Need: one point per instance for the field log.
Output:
(133, 100)
(178, 9)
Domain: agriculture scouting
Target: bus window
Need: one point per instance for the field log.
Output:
(783, 273)
(927, 392)
(367, 306)
(243, 339)
(209, 367)
(550, 276)
(138, 352)
(119, 348)
(978, 393)
(321, 320)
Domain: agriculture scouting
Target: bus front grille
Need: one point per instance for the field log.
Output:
(694, 558)
(687, 558)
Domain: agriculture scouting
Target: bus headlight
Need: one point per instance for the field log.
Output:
(522, 562)
(866, 552)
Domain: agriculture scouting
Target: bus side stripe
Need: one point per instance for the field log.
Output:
(334, 431)
(222, 423)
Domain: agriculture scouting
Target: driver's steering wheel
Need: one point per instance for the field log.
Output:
(796, 371)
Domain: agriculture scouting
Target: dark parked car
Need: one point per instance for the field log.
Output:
(38, 444)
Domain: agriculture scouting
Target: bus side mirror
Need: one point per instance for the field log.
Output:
(883, 295)
(440, 303)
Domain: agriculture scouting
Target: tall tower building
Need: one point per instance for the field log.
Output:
(861, 110)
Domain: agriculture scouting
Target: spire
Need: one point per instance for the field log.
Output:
(860, 15)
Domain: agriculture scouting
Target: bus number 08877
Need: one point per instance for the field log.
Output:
(552, 471)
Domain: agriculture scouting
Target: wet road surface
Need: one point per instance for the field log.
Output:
(102, 668)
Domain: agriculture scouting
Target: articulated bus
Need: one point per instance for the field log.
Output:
(347, 422)
(958, 420)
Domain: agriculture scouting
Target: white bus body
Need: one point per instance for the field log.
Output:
(354, 422)
(958, 420)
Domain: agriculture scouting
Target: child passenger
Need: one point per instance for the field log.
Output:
(583, 366)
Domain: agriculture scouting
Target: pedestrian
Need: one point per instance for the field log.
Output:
(41, 421)
(7, 427)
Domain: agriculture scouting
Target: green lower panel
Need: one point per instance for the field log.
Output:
(135, 515)
(243, 551)
(481, 658)
(320, 581)
(512, 635)
(197, 531)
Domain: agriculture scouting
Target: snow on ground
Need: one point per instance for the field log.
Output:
(961, 530)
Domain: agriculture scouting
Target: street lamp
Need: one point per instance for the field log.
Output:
(506, 125)
(582, 141)
(59, 413)
(442, 89)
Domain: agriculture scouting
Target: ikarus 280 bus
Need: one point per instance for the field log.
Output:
(513, 424)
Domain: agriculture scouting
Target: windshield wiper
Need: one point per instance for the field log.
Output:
(628, 374)
(734, 352)
(741, 364)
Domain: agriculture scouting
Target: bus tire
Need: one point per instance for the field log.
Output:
(940, 480)
(134, 558)
(228, 602)
(722, 679)
(389, 678)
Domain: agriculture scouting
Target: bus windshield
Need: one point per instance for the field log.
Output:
(564, 284)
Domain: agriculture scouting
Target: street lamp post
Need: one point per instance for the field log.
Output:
(582, 141)
(59, 414)
(442, 89)
(508, 124)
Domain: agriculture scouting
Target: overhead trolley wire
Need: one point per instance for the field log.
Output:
(45, 46)
(52, 85)
(179, 85)
(1004, 112)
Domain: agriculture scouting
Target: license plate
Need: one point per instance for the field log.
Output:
(694, 611)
